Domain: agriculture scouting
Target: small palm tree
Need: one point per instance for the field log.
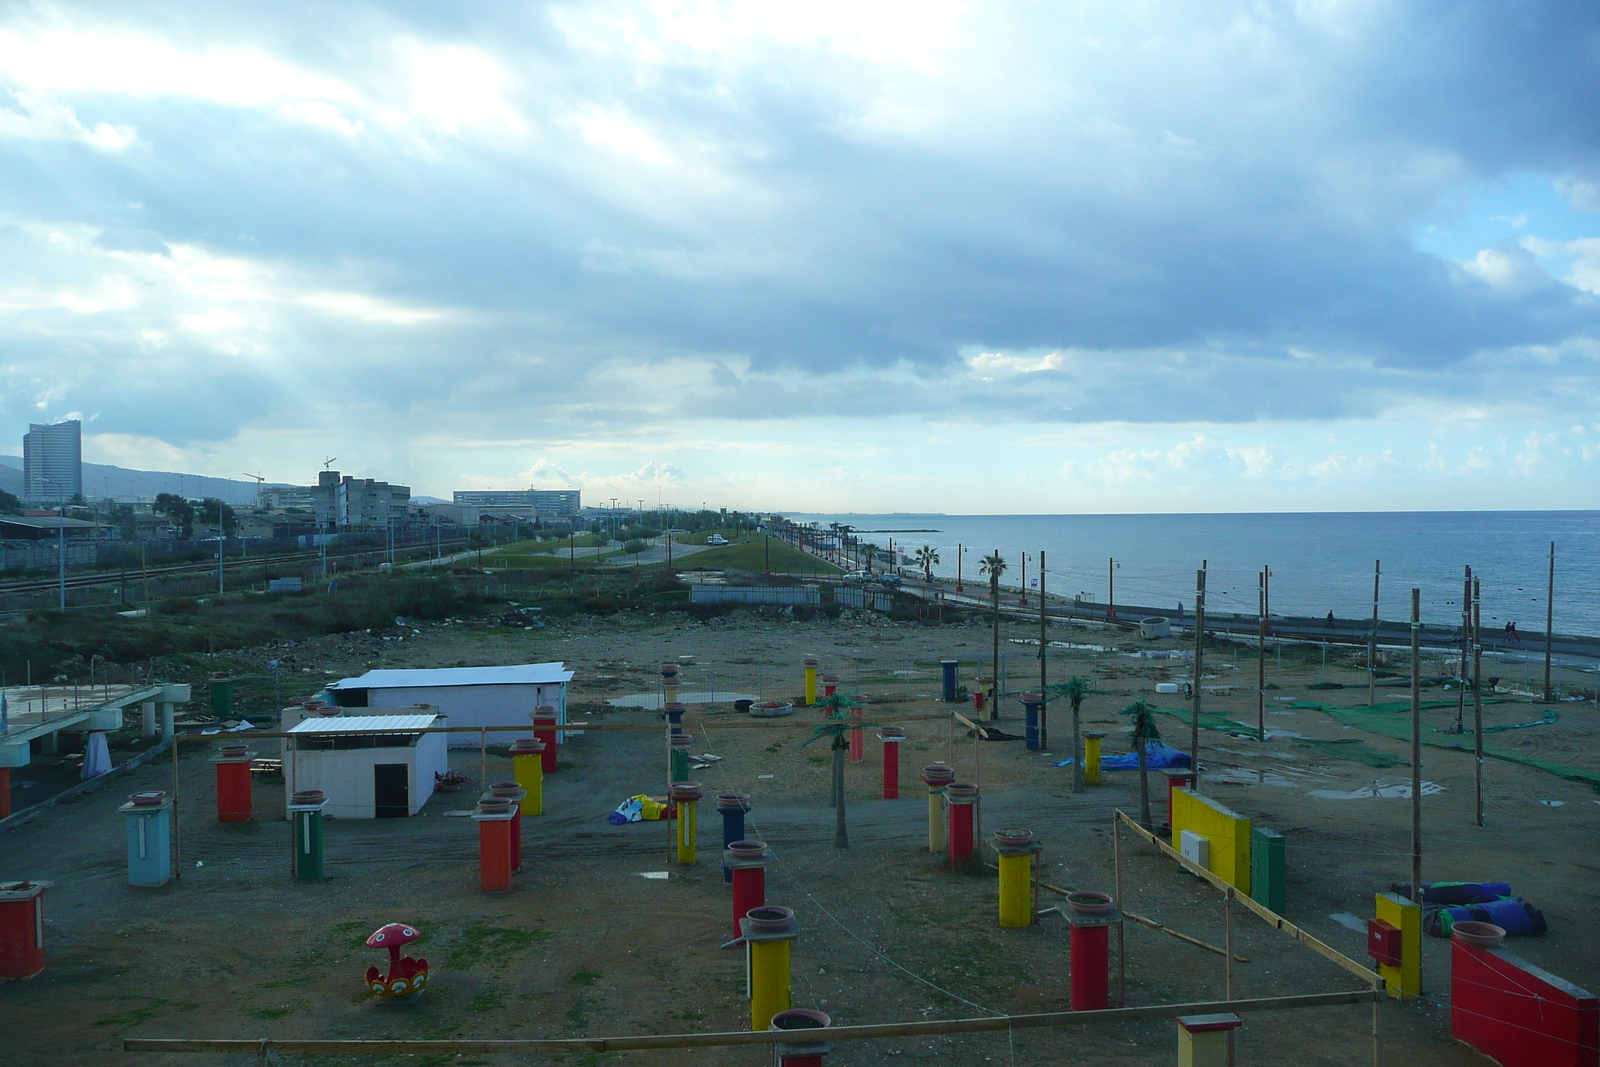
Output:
(925, 558)
(836, 713)
(1074, 690)
(1144, 732)
(994, 565)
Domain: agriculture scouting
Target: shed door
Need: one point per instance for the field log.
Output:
(391, 790)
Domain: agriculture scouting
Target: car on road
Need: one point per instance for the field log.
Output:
(887, 579)
(717, 539)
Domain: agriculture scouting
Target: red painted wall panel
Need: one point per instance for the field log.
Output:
(1519, 1015)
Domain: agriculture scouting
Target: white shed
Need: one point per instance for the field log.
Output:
(371, 766)
(469, 696)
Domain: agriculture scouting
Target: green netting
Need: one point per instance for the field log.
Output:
(1355, 749)
(1382, 720)
(1209, 720)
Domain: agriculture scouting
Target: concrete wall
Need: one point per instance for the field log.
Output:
(346, 775)
(1227, 830)
(1519, 1015)
(1406, 979)
(471, 706)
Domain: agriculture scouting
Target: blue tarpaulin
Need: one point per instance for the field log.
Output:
(1157, 755)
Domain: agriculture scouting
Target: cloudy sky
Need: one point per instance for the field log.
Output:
(1012, 257)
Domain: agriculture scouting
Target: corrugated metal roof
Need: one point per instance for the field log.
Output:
(363, 724)
(424, 678)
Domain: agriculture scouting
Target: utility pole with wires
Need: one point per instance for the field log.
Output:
(1549, 625)
(1466, 649)
(1477, 693)
(1044, 708)
(1261, 655)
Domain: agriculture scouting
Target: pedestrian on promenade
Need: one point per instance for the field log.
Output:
(1328, 626)
(1511, 633)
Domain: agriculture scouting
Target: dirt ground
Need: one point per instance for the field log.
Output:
(584, 945)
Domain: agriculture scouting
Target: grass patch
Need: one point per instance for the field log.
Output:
(277, 1011)
(584, 976)
(1352, 748)
(481, 939)
(752, 556)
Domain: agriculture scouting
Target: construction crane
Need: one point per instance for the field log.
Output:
(260, 482)
(329, 462)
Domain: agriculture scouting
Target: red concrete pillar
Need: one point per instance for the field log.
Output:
(960, 798)
(5, 792)
(892, 737)
(749, 891)
(830, 684)
(1091, 967)
(495, 821)
(1177, 778)
(233, 783)
(544, 728)
(22, 928)
(802, 1050)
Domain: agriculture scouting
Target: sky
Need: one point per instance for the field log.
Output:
(1004, 257)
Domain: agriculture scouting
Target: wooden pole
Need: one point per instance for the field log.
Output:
(1372, 642)
(1227, 943)
(1549, 625)
(483, 760)
(1466, 646)
(1116, 858)
(1044, 708)
(1199, 666)
(566, 1046)
(1111, 588)
(1416, 745)
(1261, 655)
(1477, 693)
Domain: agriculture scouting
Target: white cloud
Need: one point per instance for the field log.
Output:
(997, 364)
(36, 119)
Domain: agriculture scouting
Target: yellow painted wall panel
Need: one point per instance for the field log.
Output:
(1227, 830)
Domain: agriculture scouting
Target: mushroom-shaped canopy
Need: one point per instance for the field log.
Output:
(393, 935)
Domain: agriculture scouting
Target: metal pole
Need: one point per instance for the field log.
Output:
(1372, 643)
(1549, 625)
(1466, 646)
(1199, 663)
(1416, 745)
(1477, 693)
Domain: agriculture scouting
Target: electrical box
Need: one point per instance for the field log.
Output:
(1196, 848)
(1383, 942)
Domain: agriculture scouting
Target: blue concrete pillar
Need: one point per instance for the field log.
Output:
(949, 667)
(149, 839)
(731, 806)
(1032, 703)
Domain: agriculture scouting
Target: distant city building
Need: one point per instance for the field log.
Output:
(52, 462)
(523, 503)
(343, 501)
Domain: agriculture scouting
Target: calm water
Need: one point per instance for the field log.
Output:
(1319, 562)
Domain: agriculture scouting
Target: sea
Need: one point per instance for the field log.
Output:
(1319, 562)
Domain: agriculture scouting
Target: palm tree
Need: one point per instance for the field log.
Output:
(1144, 732)
(1073, 690)
(836, 712)
(925, 558)
(994, 565)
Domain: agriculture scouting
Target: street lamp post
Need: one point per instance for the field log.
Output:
(61, 540)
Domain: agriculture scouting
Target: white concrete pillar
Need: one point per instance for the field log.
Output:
(147, 719)
(50, 744)
(166, 722)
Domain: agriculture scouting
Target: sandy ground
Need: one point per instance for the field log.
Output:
(586, 946)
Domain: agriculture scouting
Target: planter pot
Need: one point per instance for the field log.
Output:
(1088, 903)
(742, 706)
(147, 799)
(310, 796)
(964, 790)
(770, 918)
(1013, 837)
(891, 731)
(1478, 935)
(505, 789)
(235, 751)
(733, 801)
(684, 791)
(747, 850)
(494, 806)
(801, 1019)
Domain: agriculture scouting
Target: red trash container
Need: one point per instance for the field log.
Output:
(22, 928)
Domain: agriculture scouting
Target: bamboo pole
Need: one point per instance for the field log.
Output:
(1477, 694)
(1199, 663)
(1227, 943)
(1549, 626)
(1261, 655)
(1466, 647)
(1142, 920)
(988, 1024)
(1270, 917)
(177, 858)
(1416, 745)
(1372, 642)
(1044, 680)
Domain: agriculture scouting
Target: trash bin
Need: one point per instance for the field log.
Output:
(22, 928)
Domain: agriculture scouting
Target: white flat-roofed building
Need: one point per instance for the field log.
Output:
(470, 696)
(371, 766)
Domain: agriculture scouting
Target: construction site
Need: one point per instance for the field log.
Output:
(712, 832)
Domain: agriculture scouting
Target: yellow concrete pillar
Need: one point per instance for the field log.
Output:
(811, 682)
(1016, 890)
(686, 831)
(527, 769)
(769, 981)
(1406, 979)
(1091, 755)
(1203, 1039)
